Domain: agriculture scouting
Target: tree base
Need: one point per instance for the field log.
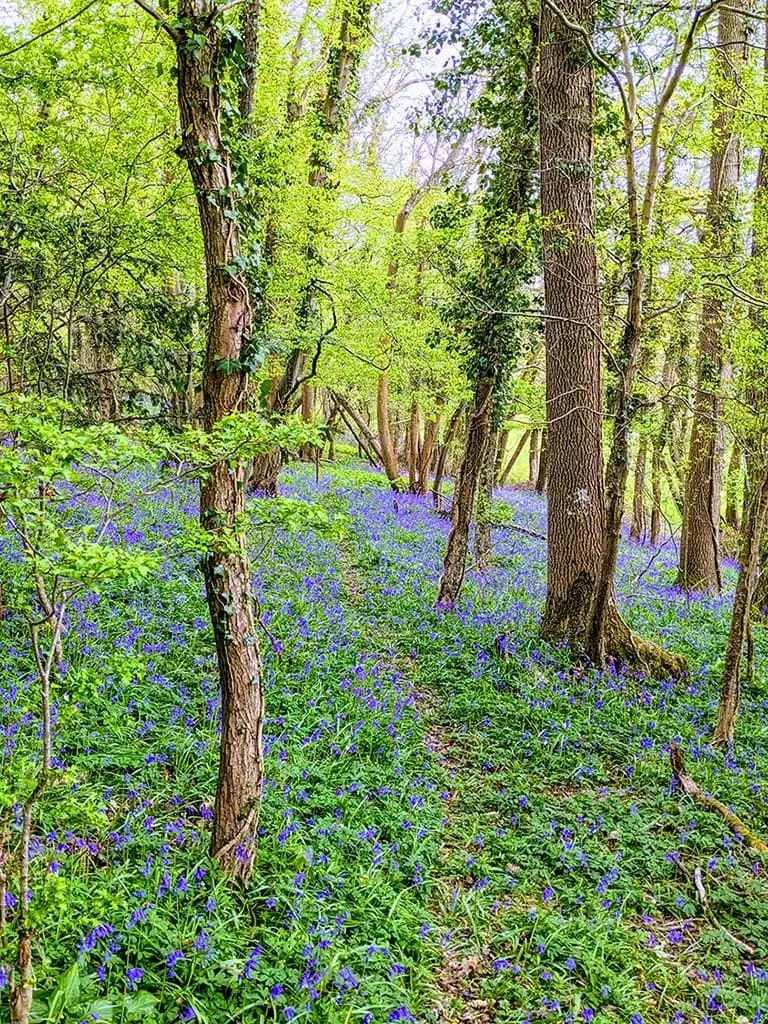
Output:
(638, 654)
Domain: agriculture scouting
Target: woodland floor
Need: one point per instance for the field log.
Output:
(447, 834)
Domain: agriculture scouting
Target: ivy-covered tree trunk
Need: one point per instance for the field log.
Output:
(226, 566)
(700, 538)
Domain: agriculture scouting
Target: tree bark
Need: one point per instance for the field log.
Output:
(413, 446)
(732, 489)
(514, 457)
(450, 435)
(501, 451)
(639, 517)
(226, 566)
(542, 474)
(700, 538)
(455, 563)
(730, 692)
(533, 456)
(426, 458)
(656, 510)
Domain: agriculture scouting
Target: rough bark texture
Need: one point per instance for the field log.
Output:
(639, 517)
(700, 539)
(455, 564)
(222, 495)
(572, 327)
(752, 534)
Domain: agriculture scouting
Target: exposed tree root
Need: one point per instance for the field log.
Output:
(638, 654)
(692, 789)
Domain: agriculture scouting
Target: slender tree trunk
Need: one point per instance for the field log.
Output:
(483, 541)
(431, 430)
(450, 435)
(307, 452)
(542, 476)
(501, 451)
(514, 457)
(732, 489)
(226, 567)
(455, 563)
(533, 457)
(700, 539)
(639, 518)
(656, 510)
(388, 453)
(413, 446)
(730, 693)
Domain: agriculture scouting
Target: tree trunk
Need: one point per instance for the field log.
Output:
(413, 446)
(455, 563)
(426, 458)
(533, 457)
(483, 541)
(730, 693)
(307, 452)
(656, 492)
(542, 476)
(226, 567)
(700, 539)
(501, 451)
(572, 325)
(388, 453)
(450, 434)
(732, 489)
(639, 518)
(514, 457)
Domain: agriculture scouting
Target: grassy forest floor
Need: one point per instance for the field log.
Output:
(447, 834)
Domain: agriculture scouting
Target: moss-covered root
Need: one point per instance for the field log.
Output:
(638, 654)
(692, 789)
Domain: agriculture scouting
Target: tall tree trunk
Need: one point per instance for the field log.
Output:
(730, 693)
(656, 491)
(542, 474)
(533, 456)
(483, 541)
(308, 451)
(226, 567)
(514, 457)
(414, 431)
(388, 453)
(732, 489)
(450, 435)
(639, 518)
(700, 539)
(501, 451)
(455, 563)
(426, 458)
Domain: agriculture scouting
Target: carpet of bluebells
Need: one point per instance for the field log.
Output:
(458, 823)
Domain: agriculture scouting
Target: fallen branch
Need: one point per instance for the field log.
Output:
(692, 789)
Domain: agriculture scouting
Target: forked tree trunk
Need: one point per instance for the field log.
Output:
(730, 693)
(700, 538)
(426, 458)
(514, 457)
(226, 567)
(639, 517)
(450, 435)
(455, 563)
(533, 456)
(483, 541)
